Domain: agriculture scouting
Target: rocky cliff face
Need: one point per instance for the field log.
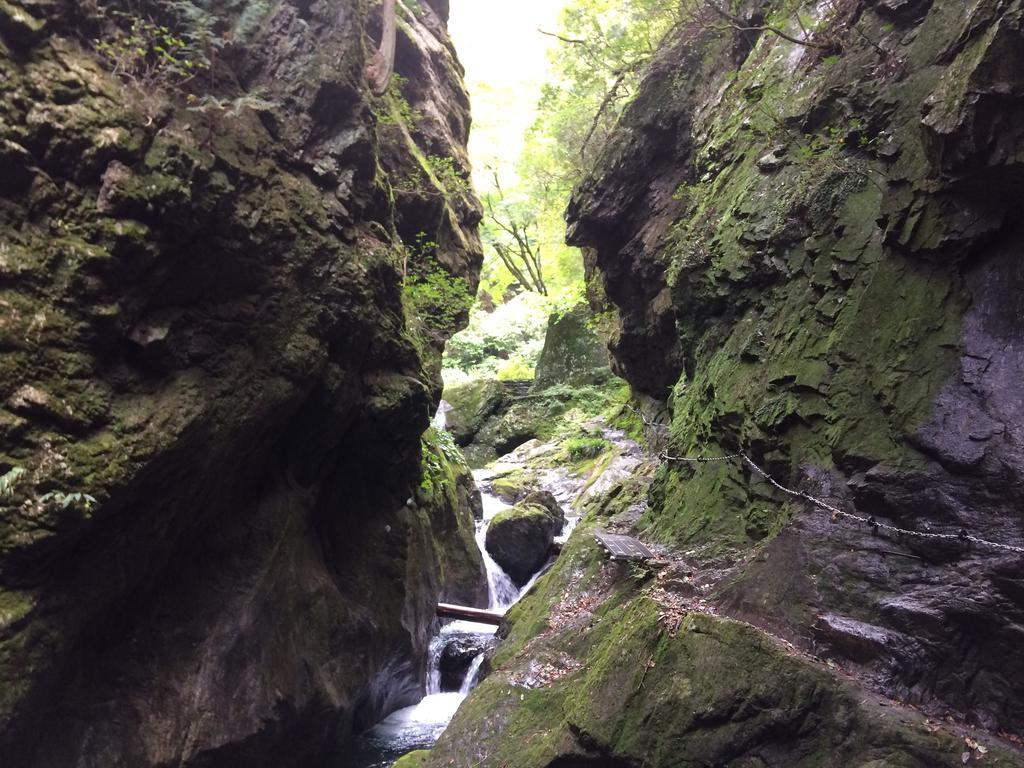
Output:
(223, 302)
(814, 250)
(815, 255)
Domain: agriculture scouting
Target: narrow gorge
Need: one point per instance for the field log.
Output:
(286, 362)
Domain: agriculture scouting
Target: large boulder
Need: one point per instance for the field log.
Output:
(471, 405)
(457, 657)
(514, 485)
(518, 423)
(519, 539)
(573, 352)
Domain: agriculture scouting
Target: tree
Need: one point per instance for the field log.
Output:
(604, 47)
(509, 233)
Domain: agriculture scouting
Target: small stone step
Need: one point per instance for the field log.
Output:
(516, 388)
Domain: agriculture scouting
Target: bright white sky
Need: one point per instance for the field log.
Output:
(506, 61)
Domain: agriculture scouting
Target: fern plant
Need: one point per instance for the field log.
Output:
(144, 51)
(10, 480)
(66, 500)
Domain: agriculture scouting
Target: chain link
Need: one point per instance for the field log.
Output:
(665, 457)
(961, 536)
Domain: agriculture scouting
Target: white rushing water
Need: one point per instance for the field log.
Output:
(420, 725)
(472, 674)
(501, 590)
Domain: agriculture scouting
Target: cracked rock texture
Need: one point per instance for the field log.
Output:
(223, 538)
(815, 255)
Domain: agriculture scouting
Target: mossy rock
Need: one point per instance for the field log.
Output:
(573, 352)
(638, 688)
(415, 759)
(472, 404)
(513, 486)
(448, 495)
(519, 539)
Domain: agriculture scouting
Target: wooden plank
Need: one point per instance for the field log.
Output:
(623, 547)
(450, 611)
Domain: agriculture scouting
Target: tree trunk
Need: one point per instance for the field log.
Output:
(378, 71)
(449, 611)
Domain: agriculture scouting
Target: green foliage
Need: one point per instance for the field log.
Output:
(604, 46)
(253, 14)
(596, 65)
(393, 108)
(507, 341)
(439, 453)
(582, 448)
(683, 193)
(177, 39)
(516, 369)
(65, 500)
(447, 174)
(438, 444)
(235, 22)
(10, 480)
(437, 300)
(144, 51)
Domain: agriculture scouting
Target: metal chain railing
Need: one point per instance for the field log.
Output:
(961, 536)
(698, 459)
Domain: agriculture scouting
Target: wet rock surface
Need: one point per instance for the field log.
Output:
(205, 354)
(519, 539)
(457, 657)
(471, 405)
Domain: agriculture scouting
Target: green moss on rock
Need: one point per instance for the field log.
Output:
(634, 687)
(472, 403)
(573, 352)
(415, 759)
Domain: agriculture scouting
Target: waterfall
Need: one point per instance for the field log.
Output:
(434, 652)
(441, 415)
(472, 674)
(420, 725)
(501, 591)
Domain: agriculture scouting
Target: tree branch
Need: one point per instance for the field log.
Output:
(609, 97)
(570, 40)
(740, 25)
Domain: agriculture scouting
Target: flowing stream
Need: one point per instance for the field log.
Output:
(419, 726)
